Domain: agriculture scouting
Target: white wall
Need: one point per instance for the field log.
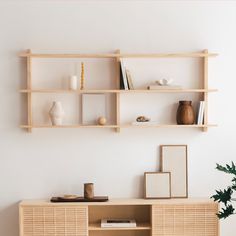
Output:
(51, 162)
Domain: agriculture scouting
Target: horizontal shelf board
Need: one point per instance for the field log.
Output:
(167, 126)
(118, 91)
(120, 126)
(114, 55)
(140, 226)
(68, 126)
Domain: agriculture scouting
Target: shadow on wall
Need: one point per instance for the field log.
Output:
(9, 220)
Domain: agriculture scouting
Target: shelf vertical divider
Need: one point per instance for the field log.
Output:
(118, 94)
(29, 87)
(205, 84)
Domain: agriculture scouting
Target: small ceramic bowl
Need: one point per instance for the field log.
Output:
(164, 82)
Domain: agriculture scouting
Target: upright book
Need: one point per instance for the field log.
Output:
(200, 114)
(123, 75)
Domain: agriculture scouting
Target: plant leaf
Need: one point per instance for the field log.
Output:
(225, 212)
(227, 169)
(223, 196)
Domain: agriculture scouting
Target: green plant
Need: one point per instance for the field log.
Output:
(225, 196)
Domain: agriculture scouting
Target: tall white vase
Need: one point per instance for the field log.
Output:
(56, 113)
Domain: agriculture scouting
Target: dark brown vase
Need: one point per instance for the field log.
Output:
(185, 113)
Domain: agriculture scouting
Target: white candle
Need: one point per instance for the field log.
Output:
(73, 82)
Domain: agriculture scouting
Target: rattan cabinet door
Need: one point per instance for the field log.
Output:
(185, 220)
(54, 221)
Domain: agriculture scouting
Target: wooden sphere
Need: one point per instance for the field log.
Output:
(102, 120)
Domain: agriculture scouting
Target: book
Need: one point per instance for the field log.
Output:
(124, 78)
(118, 223)
(200, 114)
(129, 78)
(122, 86)
(160, 87)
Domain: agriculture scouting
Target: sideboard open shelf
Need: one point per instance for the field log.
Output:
(170, 217)
(203, 91)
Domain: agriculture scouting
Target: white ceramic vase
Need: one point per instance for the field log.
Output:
(73, 82)
(56, 113)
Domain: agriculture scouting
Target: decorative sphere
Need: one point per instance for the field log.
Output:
(102, 120)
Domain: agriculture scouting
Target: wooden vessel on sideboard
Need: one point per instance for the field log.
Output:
(170, 217)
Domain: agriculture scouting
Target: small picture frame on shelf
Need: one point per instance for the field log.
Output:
(93, 108)
(157, 185)
(174, 159)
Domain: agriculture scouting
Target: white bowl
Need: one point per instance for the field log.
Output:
(164, 82)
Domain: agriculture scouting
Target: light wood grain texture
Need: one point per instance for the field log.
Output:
(117, 55)
(205, 83)
(69, 126)
(29, 96)
(140, 226)
(47, 221)
(169, 217)
(185, 220)
(121, 202)
(117, 126)
(118, 91)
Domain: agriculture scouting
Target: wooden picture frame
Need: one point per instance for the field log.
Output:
(93, 107)
(157, 185)
(174, 159)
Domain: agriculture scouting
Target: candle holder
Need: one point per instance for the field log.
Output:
(88, 190)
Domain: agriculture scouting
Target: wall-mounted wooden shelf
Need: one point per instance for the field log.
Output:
(119, 55)
(119, 126)
(118, 91)
(204, 91)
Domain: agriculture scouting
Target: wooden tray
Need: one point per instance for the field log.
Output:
(80, 199)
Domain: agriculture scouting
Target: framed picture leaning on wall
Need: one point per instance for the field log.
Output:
(174, 159)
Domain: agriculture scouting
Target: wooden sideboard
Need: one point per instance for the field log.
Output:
(170, 217)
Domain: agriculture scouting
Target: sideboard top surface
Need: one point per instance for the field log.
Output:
(119, 201)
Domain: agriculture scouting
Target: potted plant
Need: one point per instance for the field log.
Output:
(225, 196)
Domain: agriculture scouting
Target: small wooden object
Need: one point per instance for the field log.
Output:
(82, 76)
(88, 191)
(185, 113)
(80, 199)
(102, 120)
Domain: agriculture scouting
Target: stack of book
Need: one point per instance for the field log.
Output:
(118, 223)
(126, 82)
(200, 113)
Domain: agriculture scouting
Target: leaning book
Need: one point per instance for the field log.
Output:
(118, 223)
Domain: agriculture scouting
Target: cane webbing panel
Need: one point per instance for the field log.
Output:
(185, 220)
(54, 221)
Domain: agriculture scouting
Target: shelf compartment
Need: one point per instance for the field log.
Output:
(140, 226)
(140, 213)
(117, 91)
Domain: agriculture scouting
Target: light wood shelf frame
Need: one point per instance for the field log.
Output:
(204, 55)
(140, 226)
(164, 217)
